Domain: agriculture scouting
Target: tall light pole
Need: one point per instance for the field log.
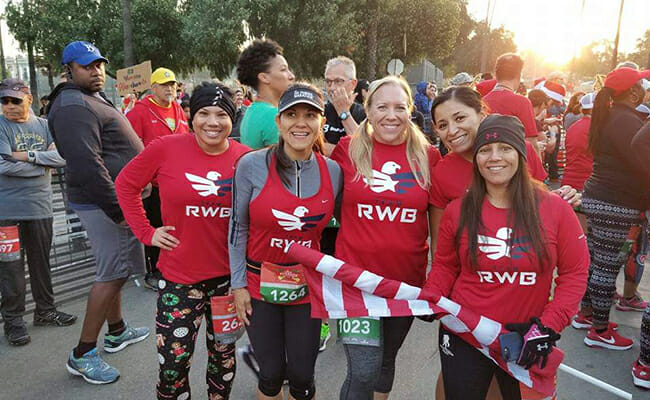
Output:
(486, 39)
(618, 34)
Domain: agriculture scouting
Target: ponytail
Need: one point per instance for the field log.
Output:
(599, 116)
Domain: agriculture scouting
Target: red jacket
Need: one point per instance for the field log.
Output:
(149, 123)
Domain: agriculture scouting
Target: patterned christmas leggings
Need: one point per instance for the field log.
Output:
(181, 309)
(612, 232)
(645, 336)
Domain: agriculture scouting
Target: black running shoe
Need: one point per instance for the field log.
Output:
(55, 318)
(17, 334)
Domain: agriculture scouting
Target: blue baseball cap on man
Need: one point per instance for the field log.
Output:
(83, 53)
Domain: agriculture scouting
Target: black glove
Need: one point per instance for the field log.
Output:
(538, 342)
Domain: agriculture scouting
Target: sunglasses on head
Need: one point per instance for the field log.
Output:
(12, 100)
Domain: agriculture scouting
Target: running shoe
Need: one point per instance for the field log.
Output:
(641, 374)
(610, 339)
(56, 318)
(113, 344)
(92, 368)
(325, 335)
(634, 303)
(248, 355)
(16, 334)
(580, 321)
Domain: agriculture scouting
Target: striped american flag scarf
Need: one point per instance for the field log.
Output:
(341, 290)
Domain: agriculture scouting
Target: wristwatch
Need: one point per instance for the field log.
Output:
(31, 156)
(344, 115)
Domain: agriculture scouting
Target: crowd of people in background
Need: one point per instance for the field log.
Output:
(204, 192)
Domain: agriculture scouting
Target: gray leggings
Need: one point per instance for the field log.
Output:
(372, 369)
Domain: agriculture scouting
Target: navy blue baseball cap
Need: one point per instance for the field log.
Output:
(83, 53)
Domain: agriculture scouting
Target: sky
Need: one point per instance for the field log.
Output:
(555, 29)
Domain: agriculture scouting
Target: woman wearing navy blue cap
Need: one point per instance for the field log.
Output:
(282, 194)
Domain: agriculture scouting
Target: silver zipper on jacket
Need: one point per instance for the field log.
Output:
(298, 179)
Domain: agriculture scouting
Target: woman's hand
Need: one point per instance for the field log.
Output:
(163, 239)
(243, 304)
(570, 194)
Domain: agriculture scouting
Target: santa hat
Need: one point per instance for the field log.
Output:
(554, 90)
(486, 86)
(538, 83)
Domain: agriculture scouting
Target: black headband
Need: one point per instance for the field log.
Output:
(211, 95)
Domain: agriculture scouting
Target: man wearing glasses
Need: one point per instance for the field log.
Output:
(342, 114)
(27, 154)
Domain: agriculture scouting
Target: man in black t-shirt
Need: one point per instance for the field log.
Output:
(343, 115)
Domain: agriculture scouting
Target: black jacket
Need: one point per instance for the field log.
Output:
(619, 176)
(96, 141)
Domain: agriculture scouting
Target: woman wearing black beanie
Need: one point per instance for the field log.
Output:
(497, 250)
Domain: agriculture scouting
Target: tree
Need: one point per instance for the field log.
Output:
(311, 31)
(429, 27)
(641, 55)
(212, 31)
(594, 58)
(467, 56)
(22, 25)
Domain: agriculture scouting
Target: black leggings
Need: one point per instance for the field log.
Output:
(372, 369)
(181, 309)
(285, 340)
(467, 373)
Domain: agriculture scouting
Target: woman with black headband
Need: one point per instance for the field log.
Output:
(282, 194)
(194, 173)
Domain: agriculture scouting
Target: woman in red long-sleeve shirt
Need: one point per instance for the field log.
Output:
(194, 174)
(496, 252)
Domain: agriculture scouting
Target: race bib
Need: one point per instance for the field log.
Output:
(9, 243)
(225, 324)
(360, 331)
(282, 285)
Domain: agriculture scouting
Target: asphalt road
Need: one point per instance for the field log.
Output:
(37, 370)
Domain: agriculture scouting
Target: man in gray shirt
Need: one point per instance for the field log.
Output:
(27, 154)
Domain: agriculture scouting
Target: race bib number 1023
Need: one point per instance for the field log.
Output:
(359, 331)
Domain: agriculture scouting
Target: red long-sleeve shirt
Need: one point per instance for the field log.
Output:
(579, 161)
(509, 103)
(508, 284)
(195, 198)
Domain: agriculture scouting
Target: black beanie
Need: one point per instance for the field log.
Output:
(502, 129)
(212, 94)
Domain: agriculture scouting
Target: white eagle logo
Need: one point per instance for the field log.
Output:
(205, 186)
(382, 181)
